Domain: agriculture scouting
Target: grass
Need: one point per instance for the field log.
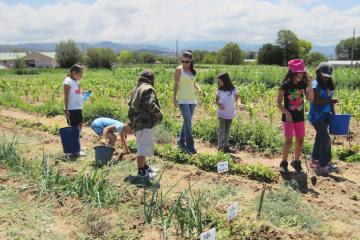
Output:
(20, 219)
(285, 208)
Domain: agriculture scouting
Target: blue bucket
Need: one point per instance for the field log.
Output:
(339, 124)
(70, 139)
(103, 154)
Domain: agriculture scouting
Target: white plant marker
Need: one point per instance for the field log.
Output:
(232, 211)
(209, 235)
(222, 167)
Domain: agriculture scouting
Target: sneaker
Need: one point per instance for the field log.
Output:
(314, 164)
(150, 169)
(284, 166)
(146, 174)
(328, 169)
(296, 164)
(227, 149)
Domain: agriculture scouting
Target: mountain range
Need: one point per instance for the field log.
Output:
(161, 48)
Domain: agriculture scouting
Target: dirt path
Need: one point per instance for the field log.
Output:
(331, 195)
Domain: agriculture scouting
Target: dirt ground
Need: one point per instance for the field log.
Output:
(331, 196)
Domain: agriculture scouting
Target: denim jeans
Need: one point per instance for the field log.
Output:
(322, 145)
(224, 132)
(186, 140)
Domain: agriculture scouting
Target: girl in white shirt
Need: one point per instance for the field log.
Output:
(226, 98)
(73, 96)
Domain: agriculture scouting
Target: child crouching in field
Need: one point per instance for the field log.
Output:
(290, 102)
(226, 97)
(107, 127)
(144, 113)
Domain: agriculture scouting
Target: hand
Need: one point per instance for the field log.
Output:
(175, 102)
(199, 90)
(334, 101)
(241, 107)
(288, 117)
(67, 113)
(127, 152)
(221, 107)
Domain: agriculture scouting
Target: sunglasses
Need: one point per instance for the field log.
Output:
(185, 61)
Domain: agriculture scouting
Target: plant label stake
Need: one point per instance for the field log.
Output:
(223, 167)
(232, 211)
(261, 200)
(209, 235)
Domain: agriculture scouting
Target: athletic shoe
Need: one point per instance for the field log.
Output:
(328, 169)
(227, 149)
(284, 167)
(146, 174)
(296, 164)
(150, 169)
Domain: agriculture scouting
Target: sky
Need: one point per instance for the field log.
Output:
(151, 21)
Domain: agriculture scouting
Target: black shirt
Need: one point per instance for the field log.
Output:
(294, 100)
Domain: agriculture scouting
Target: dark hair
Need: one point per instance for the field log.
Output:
(329, 84)
(188, 54)
(147, 76)
(78, 68)
(289, 77)
(227, 84)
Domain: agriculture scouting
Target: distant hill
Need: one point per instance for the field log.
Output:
(159, 48)
(117, 47)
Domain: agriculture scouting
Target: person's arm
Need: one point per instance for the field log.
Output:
(217, 100)
(176, 85)
(67, 89)
(309, 90)
(197, 88)
(107, 131)
(281, 107)
(124, 143)
(151, 104)
(238, 102)
(320, 102)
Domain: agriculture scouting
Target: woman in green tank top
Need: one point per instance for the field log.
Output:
(185, 98)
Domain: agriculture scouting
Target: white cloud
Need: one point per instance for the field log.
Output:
(251, 21)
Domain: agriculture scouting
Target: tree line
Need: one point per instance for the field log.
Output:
(287, 46)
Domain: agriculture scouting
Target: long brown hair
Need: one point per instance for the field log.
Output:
(188, 54)
(290, 76)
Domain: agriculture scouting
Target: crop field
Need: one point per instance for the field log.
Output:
(46, 195)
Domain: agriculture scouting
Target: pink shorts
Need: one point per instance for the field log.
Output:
(292, 129)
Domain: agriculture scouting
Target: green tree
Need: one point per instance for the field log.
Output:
(314, 58)
(231, 54)
(344, 49)
(100, 58)
(270, 54)
(19, 63)
(67, 53)
(126, 57)
(147, 57)
(288, 42)
(304, 47)
(210, 58)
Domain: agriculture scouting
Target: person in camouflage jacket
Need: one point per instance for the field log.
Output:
(144, 113)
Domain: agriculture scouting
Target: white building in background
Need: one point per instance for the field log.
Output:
(31, 59)
(344, 63)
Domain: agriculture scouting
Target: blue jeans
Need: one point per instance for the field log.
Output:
(186, 140)
(322, 145)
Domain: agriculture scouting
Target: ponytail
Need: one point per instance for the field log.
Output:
(78, 68)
